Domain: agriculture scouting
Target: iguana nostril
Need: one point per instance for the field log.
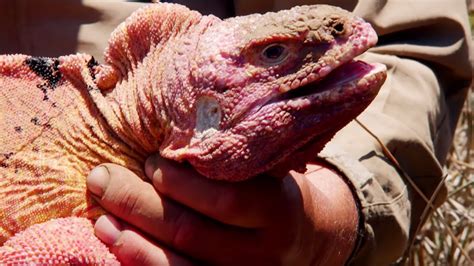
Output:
(339, 28)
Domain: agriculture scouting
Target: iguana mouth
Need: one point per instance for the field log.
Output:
(349, 79)
(343, 85)
(324, 106)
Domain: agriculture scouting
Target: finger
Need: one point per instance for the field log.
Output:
(132, 248)
(135, 201)
(250, 204)
(122, 193)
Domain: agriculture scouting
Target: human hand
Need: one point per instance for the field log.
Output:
(299, 220)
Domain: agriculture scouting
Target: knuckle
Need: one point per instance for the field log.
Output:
(129, 202)
(126, 200)
(125, 195)
(132, 250)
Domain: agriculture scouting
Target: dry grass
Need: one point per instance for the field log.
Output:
(434, 245)
(447, 238)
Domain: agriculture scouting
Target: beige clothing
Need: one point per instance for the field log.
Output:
(426, 47)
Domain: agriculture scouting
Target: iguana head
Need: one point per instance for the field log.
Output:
(260, 87)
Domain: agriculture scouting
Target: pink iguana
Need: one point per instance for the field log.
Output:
(234, 98)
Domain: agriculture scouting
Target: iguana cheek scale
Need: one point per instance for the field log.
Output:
(232, 97)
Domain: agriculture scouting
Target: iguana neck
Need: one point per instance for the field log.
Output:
(137, 108)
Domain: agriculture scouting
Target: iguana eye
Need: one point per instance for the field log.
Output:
(274, 53)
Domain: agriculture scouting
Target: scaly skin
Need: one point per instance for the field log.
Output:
(234, 98)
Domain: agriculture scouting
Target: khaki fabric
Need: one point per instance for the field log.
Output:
(425, 45)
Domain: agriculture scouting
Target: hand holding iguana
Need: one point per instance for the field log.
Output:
(234, 98)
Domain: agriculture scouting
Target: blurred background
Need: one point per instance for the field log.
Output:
(434, 244)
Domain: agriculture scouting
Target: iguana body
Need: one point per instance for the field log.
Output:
(232, 97)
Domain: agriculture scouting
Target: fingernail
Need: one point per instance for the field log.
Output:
(151, 167)
(98, 180)
(107, 229)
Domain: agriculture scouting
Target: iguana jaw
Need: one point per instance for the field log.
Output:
(353, 79)
(341, 95)
(349, 81)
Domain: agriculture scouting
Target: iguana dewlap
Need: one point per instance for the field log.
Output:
(232, 97)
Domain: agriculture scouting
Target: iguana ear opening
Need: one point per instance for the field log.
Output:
(145, 30)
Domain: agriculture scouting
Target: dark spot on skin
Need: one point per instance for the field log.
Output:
(7, 156)
(16, 171)
(91, 66)
(47, 126)
(46, 68)
(18, 129)
(92, 88)
(35, 121)
(91, 127)
(43, 87)
(54, 105)
(35, 149)
(92, 62)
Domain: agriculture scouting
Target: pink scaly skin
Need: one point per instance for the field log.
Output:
(234, 98)
(56, 242)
